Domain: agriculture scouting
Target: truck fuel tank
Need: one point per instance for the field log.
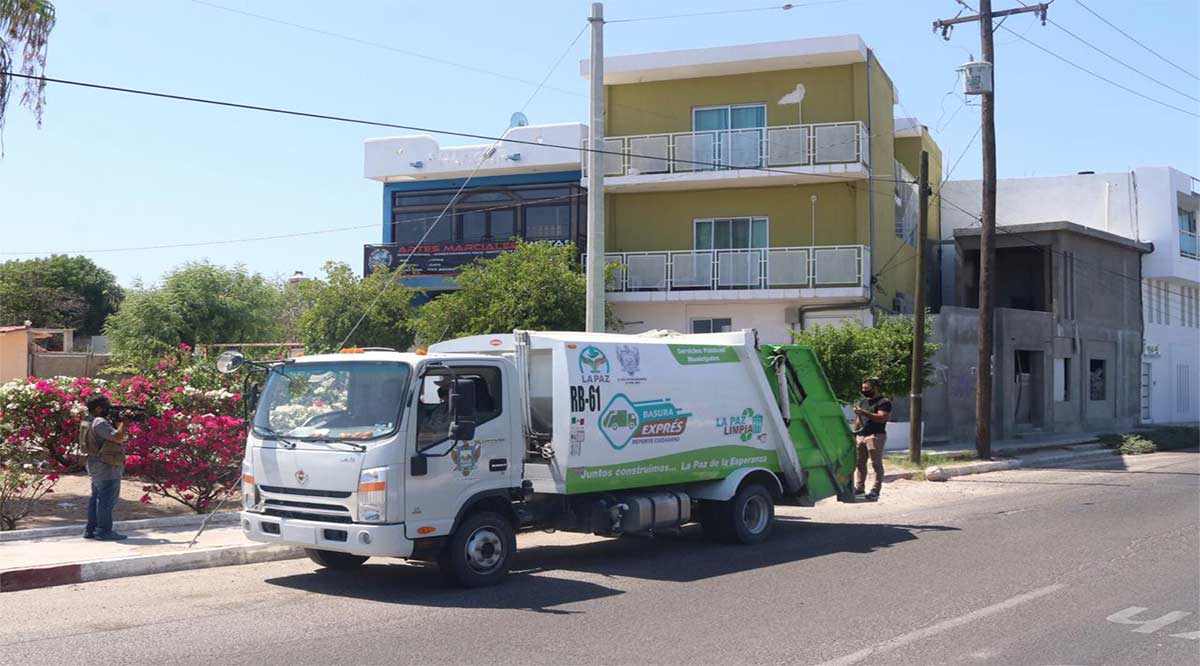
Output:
(655, 510)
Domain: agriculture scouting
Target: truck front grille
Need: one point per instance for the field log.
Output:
(306, 505)
(301, 515)
(279, 490)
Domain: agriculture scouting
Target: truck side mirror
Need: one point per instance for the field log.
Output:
(462, 400)
(462, 410)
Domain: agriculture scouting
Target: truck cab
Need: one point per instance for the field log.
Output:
(351, 456)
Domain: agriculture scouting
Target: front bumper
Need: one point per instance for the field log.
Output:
(354, 538)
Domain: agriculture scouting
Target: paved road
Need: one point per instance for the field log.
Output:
(1098, 564)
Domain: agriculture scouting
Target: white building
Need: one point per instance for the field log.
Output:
(1158, 205)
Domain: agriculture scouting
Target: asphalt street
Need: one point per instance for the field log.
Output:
(1093, 564)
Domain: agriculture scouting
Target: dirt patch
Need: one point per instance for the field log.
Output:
(67, 505)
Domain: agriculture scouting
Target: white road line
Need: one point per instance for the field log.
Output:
(901, 641)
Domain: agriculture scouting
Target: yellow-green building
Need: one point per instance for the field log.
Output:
(756, 186)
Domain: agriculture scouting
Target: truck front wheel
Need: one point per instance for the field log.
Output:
(335, 560)
(480, 551)
(746, 519)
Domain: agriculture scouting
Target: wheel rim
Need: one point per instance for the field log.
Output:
(485, 550)
(755, 514)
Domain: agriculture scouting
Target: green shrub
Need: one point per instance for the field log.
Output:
(1132, 445)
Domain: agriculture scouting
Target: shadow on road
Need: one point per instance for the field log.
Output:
(682, 556)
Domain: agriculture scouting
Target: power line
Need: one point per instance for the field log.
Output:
(1088, 71)
(479, 165)
(939, 194)
(380, 45)
(1101, 77)
(1117, 60)
(414, 54)
(1135, 41)
(411, 128)
(723, 12)
(1007, 230)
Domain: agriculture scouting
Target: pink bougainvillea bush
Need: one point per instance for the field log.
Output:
(188, 449)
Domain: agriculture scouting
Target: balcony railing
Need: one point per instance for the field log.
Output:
(1187, 244)
(698, 152)
(766, 268)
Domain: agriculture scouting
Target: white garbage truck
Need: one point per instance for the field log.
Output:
(445, 455)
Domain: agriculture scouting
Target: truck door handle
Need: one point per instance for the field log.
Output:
(497, 464)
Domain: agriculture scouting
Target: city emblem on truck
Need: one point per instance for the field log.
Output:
(301, 477)
(624, 421)
(630, 359)
(465, 456)
(593, 366)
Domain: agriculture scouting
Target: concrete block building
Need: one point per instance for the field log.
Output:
(1154, 207)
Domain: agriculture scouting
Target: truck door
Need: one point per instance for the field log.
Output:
(457, 470)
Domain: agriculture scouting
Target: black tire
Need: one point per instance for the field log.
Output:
(480, 551)
(331, 559)
(747, 519)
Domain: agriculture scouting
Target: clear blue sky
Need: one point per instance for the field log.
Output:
(112, 170)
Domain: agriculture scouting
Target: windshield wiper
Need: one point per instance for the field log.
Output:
(276, 436)
(330, 440)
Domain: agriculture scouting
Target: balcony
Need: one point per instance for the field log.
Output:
(756, 157)
(836, 271)
(1187, 244)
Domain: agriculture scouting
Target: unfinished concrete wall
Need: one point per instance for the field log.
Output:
(68, 364)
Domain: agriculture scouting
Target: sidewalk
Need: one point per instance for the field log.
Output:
(1002, 448)
(63, 560)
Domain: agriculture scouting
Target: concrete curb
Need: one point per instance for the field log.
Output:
(945, 473)
(140, 565)
(187, 520)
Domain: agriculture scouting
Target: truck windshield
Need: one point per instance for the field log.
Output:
(347, 400)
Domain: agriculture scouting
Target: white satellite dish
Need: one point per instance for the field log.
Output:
(518, 119)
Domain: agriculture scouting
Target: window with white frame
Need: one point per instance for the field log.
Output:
(728, 136)
(1187, 234)
(730, 233)
(712, 325)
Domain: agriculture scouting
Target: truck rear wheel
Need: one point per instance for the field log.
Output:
(480, 551)
(334, 560)
(747, 518)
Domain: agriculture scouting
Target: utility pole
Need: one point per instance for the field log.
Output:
(918, 354)
(594, 269)
(987, 242)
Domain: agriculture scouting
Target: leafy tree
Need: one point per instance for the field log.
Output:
(537, 286)
(25, 25)
(339, 301)
(850, 352)
(58, 291)
(198, 303)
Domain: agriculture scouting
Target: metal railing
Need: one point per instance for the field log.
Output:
(698, 152)
(765, 268)
(1187, 244)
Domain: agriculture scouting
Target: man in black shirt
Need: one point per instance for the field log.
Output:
(870, 434)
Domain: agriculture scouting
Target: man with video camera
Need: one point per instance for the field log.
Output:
(102, 442)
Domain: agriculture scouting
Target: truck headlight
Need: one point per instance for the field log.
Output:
(372, 495)
(249, 488)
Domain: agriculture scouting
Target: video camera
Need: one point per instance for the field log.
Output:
(129, 414)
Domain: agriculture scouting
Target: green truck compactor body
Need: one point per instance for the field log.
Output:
(816, 423)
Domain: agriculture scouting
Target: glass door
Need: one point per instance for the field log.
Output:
(709, 127)
(745, 143)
